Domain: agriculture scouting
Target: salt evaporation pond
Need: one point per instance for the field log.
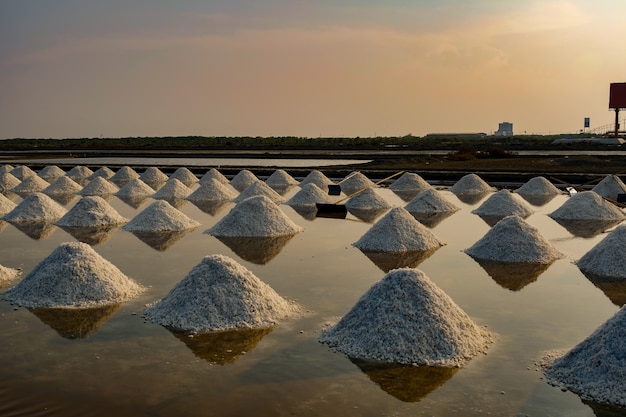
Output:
(285, 370)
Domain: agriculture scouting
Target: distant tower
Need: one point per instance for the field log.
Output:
(505, 129)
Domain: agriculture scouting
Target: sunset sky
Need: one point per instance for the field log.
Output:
(118, 68)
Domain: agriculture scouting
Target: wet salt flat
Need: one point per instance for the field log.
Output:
(110, 361)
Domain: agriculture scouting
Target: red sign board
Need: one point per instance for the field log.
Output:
(617, 96)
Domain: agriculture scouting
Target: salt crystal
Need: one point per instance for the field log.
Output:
(587, 205)
(259, 188)
(173, 189)
(309, 195)
(606, 258)
(610, 187)
(63, 185)
(99, 186)
(37, 207)
(160, 216)
(185, 176)
(243, 180)
(123, 176)
(503, 203)
(91, 211)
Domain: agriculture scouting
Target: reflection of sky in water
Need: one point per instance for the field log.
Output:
(288, 369)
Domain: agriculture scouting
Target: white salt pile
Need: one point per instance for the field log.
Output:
(31, 184)
(160, 216)
(79, 173)
(51, 173)
(173, 189)
(595, 369)
(406, 318)
(308, 195)
(259, 188)
(135, 188)
(606, 258)
(318, 178)
(410, 181)
(37, 207)
(514, 240)
(280, 179)
(428, 202)
(73, 276)
(243, 180)
(367, 200)
(504, 203)
(537, 186)
(91, 211)
(215, 175)
(5, 169)
(185, 176)
(153, 176)
(62, 186)
(610, 187)
(398, 231)
(103, 172)
(123, 176)
(220, 294)
(99, 186)
(471, 184)
(255, 216)
(587, 205)
(8, 274)
(211, 190)
(21, 172)
(6, 205)
(8, 182)
(354, 182)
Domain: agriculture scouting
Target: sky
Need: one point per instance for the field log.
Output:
(341, 68)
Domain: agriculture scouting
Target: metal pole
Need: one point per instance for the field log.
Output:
(616, 122)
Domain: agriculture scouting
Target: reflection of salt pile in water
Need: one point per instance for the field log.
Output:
(259, 188)
(595, 369)
(6, 205)
(153, 176)
(514, 240)
(31, 184)
(318, 178)
(123, 175)
(587, 205)
(308, 195)
(607, 257)
(79, 173)
(406, 318)
(160, 216)
(62, 186)
(51, 173)
(255, 216)
(280, 179)
(185, 176)
(91, 211)
(73, 275)
(215, 175)
(211, 190)
(99, 186)
(503, 203)
(135, 188)
(243, 180)
(103, 172)
(354, 182)
(398, 231)
(367, 200)
(8, 182)
(8, 274)
(21, 172)
(37, 207)
(471, 184)
(610, 187)
(173, 189)
(220, 294)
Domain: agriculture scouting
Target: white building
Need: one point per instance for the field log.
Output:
(505, 129)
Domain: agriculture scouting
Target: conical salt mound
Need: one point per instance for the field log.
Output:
(6, 205)
(220, 294)
(63, 185)
(37, 207)
(21, 172)
(595, 369)
(8, 182)
(514, 240)
(255, 217)
(410, 181)
(215, 175)
(73, 276)
(79, 173)
(471, 184)
(587, 205)
(102, 172)
(610, 187)
(354, 182)
(504, 203)
(153, 176)
(51, 173)
(280, 178)
(160, 216)
(185, 176)
(406, 318)
(318, 178)
(606, 258)
(259, 188)
(243, 180)
(99, 186)
(538, 186)
(5, 169)
(31, 184)
(173, 189)
(308, 195)
(123, 176)
(8, 274)
(135, 188)
(91, 211)
(428, 202)
(212, 190)
(367, 200)
(397, 231)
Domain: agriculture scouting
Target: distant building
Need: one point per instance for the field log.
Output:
(468, 135)
(505, 129)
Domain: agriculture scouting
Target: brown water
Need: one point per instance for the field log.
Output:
(111, 362)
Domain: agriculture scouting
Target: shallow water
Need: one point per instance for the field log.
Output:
(111, 362)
